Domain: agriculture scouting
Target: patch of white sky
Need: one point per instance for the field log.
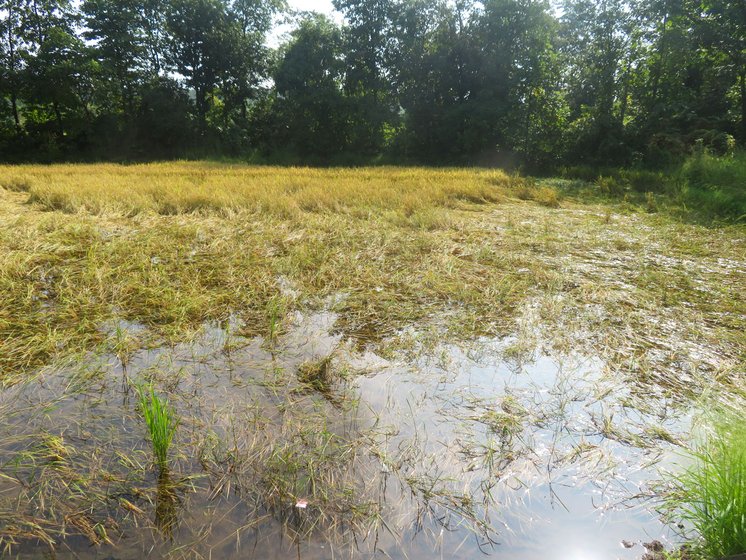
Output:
(285, 24)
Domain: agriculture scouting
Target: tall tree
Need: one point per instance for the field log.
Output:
(57, 70)
(367, 37)
(522, 77)
(723, 31)
(155, 41)
(116, 27)
(311, 106)
(12, 17)
(598, 48)
(203, 47)
(254, 18)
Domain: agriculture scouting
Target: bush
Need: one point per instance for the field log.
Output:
(547, 196)
(612, 185)
(716, 142)
(704, 186)
(665, 149)
(643, 181)
(715, 186)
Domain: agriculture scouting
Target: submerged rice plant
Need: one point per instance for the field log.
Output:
(160, 417)
(712, 492)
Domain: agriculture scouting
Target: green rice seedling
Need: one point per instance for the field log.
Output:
(711, 493)
(160, 417)
(275, 311)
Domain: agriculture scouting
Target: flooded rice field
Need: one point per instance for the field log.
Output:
(309, 446)
(354, 368)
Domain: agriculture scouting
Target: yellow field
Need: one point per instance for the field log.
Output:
(176, 188)
(173, 245)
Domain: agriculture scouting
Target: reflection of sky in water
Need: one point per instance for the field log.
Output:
(565, 494)
(547, 506)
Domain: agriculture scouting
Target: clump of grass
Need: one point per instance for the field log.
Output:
(507, 421)
(614, 186)
(16, 184)
(526, 189)
(712, 492)
(713, 186)
(123, 345)
(161, 420)
(547, 196)
(704, 187)
(317, 374)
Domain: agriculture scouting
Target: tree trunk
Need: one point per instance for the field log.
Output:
(14, 105)
(58, 116)
(201, 100)
(12, 69)
(625, 91)
(662, 52)
(743, 106)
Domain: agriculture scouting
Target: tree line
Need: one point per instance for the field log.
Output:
(434, 81)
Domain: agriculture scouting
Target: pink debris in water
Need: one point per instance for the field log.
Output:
(302, 504)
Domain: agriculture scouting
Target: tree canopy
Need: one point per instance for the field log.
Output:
(435, 81)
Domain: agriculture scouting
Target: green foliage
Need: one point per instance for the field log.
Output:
(506, 83)
(161, 420)
(704, 187)
(712, 492)
(716, 186)
(309, 114)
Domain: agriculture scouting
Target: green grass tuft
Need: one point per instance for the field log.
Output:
(712, 492)
(160, 417)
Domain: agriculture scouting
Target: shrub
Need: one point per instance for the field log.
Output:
(643, 181)
(612, 185)
(715, 186)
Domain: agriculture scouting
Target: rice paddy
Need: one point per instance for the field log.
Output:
(363, 361)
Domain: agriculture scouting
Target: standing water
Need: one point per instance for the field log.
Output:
(307, 447)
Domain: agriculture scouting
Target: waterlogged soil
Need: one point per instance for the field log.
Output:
(436, 450)
(505, 381)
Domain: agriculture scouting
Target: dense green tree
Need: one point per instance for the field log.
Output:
(204, 45)
(598, 43)
(438, 86)
(250, 63)
(722, 26)
(13, 14)
(524, 77)
(442, 81)
(117, 28)
(58, 70)
(309, 112)
(367, 40)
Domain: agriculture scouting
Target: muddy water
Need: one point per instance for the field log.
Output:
(458, 452)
